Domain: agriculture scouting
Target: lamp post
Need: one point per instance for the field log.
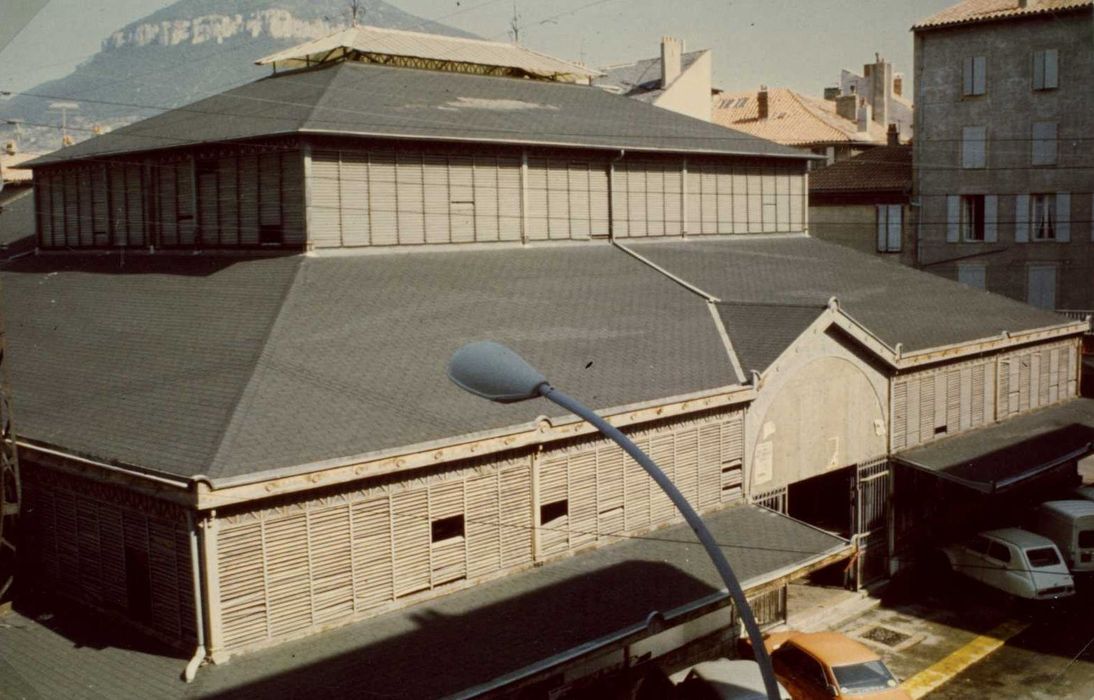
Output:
(493, 371)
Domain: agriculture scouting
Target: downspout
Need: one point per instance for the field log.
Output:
(611, 192)
(199, 602)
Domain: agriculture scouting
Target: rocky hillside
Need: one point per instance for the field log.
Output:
(186, 51)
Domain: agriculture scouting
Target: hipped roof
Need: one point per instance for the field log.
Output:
(972, 11)
(355, 99)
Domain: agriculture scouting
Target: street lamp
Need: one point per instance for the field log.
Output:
(495, 372)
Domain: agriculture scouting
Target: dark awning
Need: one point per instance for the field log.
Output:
(1004, 455)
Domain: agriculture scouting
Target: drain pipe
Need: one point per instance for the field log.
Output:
(199, 602)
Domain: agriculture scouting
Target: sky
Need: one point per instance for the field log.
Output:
(800, 44)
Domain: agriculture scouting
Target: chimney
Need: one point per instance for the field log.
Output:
(846, 106)
(1023, 4)
(898, 84)
(881, 89)
(864, 116)
(892, 137)
(831, 93)
(672, 53)
(761, 102)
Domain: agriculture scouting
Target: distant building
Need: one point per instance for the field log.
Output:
(835, 130)
(677, 80)
(1004, 160)
(865, 202)
(883, 90)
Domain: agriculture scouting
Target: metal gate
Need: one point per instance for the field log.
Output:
(871, 493)
(775, 500)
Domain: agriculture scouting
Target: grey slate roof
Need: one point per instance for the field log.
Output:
(896, 303)
(455, 642)
(988, 458)
(229, 366)
(642, 79)
(402, 103)
(761, 332)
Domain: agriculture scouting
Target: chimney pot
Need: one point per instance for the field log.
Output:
(892, 137)
(847, 107)
(672, 56)
(761, 103)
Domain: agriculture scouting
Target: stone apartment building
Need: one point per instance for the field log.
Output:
(1003, 149)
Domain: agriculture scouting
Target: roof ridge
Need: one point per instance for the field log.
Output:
(812, 112)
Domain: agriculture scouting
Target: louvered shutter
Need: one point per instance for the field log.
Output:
(71, 208)
(242, 569)
(637, 206)
(1043, 377)
(782, 201)
(208, 206)
(1034, 379)
(1021, 218)
(509, 200)
(163, 571)
(326, 216)
(900, 415)
(516, 515)
(269, 184)
(558, 200)
(166, 195)
(980, 75)
(435, 185)
(248, 200)
(582, 482)
(991, 216)
(1051, 68)
(693, 199)
(383, 199)
(461, 191)
(373, 574)
(926, 408)
(710, 466)
(711, 222)
(536, 215)
(636, 490)
(288, 573)
(228, 197)
(578, 175)
(1023, 382)
(620, 201)
(797, 202)
(953, 218)
(755, 201)
(353, 199)
(87, 545)
(553, 487)
(965, 389)
(882, 213)
(655, 199)
(1063, 217)
(411, 534)
(1072, 370)
(410, 198)
(84, 197)
(610, 490)
(1014, 388)
(978, 373)
(118, 210)
(486, 199)
(662, 446)
(687, 463)
(598, 200)
(481, 526)
(674, 203)
(989, 393)
(291, 185)
(44, 192)
(912, 432)
(330, 539)
(448, 557)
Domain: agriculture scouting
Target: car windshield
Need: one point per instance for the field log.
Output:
(1042, 556)
(863, 677)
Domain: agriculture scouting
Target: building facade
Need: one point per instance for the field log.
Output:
(1003, 176)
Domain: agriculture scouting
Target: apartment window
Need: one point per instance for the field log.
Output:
(974, 147)
(972, 217)
(889, 226)
(975, 77)
(1046, 69)
(1042, 216)
(1044, 143)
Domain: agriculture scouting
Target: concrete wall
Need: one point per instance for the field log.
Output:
(690, 93)
(852, 225)
(1008, 110)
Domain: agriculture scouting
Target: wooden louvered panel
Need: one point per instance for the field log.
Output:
(240, 560)
(134, 195)
(509, 200)
(166, 195)
(913, 432)
(797, 202)
(552, 479)
(724, 182)
(383, 199)
(637, 207)
(269, 189)
(372, 554)
(768, 192)
(536, 214)
(228, 196)
(782, 201)
(461, 193)
(248, 200)
(44, 521)
(965, 398)
(330, 538)
(326, 201)
(1072, 370)
(636, 484)
(598, 200)
(687, 463)
(353, 198)
(292, 198)
(662, 451)
(164, 577)
(733, 438)
(1053, 375)
(620, 201)
(558, 201)
(1043, 378)
(411, 198)
(288, 574)
(655, 199)
(43, 190)
(482, 527)
(978, 373)
(674, 205)
(87, 539)
(485, 171)
(411, 530)
(1035, 379)
(71, 207)
(610, 492)
(755, 201)
(112, 557)
(900, 415)
(435, 185)
(578, 186)
(710, 465)
(732, 482)
(118, 210)
(708, 188)
(740, 201)
(208, 207)
(53, 210)
(516, 516)
(448, 557)
(84, 215)
(941, 402)
(693, 200)
(1023, 383)
(583, 498)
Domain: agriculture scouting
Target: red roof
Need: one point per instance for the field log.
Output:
(886, 168)
(793, 119)
(971, 11)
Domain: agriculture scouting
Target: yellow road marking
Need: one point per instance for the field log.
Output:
(930, 678)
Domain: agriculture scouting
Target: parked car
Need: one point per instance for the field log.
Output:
(825, 665)
(1015, 561)
(1070, 526)
(723, 679)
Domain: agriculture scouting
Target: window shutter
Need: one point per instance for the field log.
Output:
(1038, 70)
(1044, 143)
(973, 146)
(979, 75)
(894, 227)
(1021, 218)
(991, 208)
(1063, 217)
(1051, 69)
(953, 217)
(967, 83)
(881, 227)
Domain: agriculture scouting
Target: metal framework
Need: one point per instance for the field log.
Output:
(10, 489)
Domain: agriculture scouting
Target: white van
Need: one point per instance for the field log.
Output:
(1086, 492)
(1070, 525)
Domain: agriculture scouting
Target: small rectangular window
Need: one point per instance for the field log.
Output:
(974, 81)
(1042, 216)
(974, 147)
(447, 528)
(972, 217)
(889, 227)
(1046, 69)
(549, 512)
(1044, 143)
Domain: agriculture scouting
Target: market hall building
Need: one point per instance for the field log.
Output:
(253, 441)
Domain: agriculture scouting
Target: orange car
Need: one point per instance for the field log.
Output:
(824, 665)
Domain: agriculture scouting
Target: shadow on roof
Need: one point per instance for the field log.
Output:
(111, 263)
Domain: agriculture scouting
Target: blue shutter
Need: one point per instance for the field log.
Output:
(1021, 218)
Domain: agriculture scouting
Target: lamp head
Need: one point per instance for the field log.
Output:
(494, 372)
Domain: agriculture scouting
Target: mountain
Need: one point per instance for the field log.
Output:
(182, 53)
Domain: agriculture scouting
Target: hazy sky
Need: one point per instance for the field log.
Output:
(801, 44)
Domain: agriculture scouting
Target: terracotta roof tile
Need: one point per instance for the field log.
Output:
(971, 11)
(793, 119)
